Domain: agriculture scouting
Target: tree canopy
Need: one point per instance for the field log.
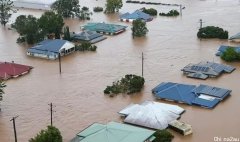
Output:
(212, 32)
(6, 7)
(139, 28)
(28, 28)
(113, 6)
(50, 23)
(2, 86)
(163, 136)
(71, 9)
(51, 134)
(230, 55)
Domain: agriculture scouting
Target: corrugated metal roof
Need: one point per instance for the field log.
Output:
(174, 91)
(208, 68)
(113, 132)
(137, 15)
(236, 36)
(151, 114)
(192, 94)
(104, 27)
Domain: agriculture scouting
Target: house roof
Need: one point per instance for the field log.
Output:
(198, 75)
(104, 27)
(113, 132)
(208, 68)
(137, 15)
(174, 91)
(202, 95)
(90, 36)
(220, 93)
(151, 114)
(9, 70)
(236, 36)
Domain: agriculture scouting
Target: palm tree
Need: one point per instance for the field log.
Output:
(2, 85)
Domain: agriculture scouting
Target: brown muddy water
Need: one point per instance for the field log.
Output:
(77, 93)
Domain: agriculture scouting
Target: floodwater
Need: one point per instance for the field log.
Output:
(77, 93)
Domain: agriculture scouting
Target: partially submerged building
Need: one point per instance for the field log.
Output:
(34, 4)
(203, 70)
(12, 70)
(51, 49)
(202, 95)
(87, 36)
(138, 14)
(181, 127)
(235, 37)
(151, 114)
(104, 28)
(114, 132)
(223, 49)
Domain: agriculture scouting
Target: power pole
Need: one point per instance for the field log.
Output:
(51, 111)
(142, 63)
(14, 127)
(201, 22)
(180, 9)
(59, 59)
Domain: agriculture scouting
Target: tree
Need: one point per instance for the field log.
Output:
(163, 136)
(212, 32)
(139, 28)
(113, 6)
(66, 34)
(2, 86)
(6, 7)
(28, 28)
(230, 55)
(84, 14)
(150, 11)
(52, 134)
(51, 23)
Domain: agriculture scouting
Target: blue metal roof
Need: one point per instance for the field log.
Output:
(86, 35)
(237, 36)
(212, 91)
(47, 46)
(202, 95)
(205, 103)
(137, 15)
(174, 91)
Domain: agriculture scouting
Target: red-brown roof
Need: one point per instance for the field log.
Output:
(11, 70)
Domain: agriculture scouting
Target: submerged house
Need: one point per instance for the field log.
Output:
(138, 14)
(204, 70)
(34, 4)
(202, 95)
(151, 114)
(104, 28)
(12, 70)
(223, 48)
(235, 37)
(87, 36)
(51, 49)
(114, 132)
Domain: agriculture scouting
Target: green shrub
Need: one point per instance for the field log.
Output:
(86, 46)
(163, 136)
(139, 28)
(230, 55)
(150, 11)
(129, 84)
(170, 13)
(212, 32)
(52, 134)
(97, 9)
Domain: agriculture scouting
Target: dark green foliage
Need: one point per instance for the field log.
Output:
(28, 28)
(230, 55)
(97, 9)
(71, 9)
(6, 7)
(2, 86)
(163, 136)
(52, 134)
(86, 46)
(212, 32)
(139, 28)
(66, 34)
(113, 6)
(129, 84)
(51, 23)
(150, 11)
(170, 13)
